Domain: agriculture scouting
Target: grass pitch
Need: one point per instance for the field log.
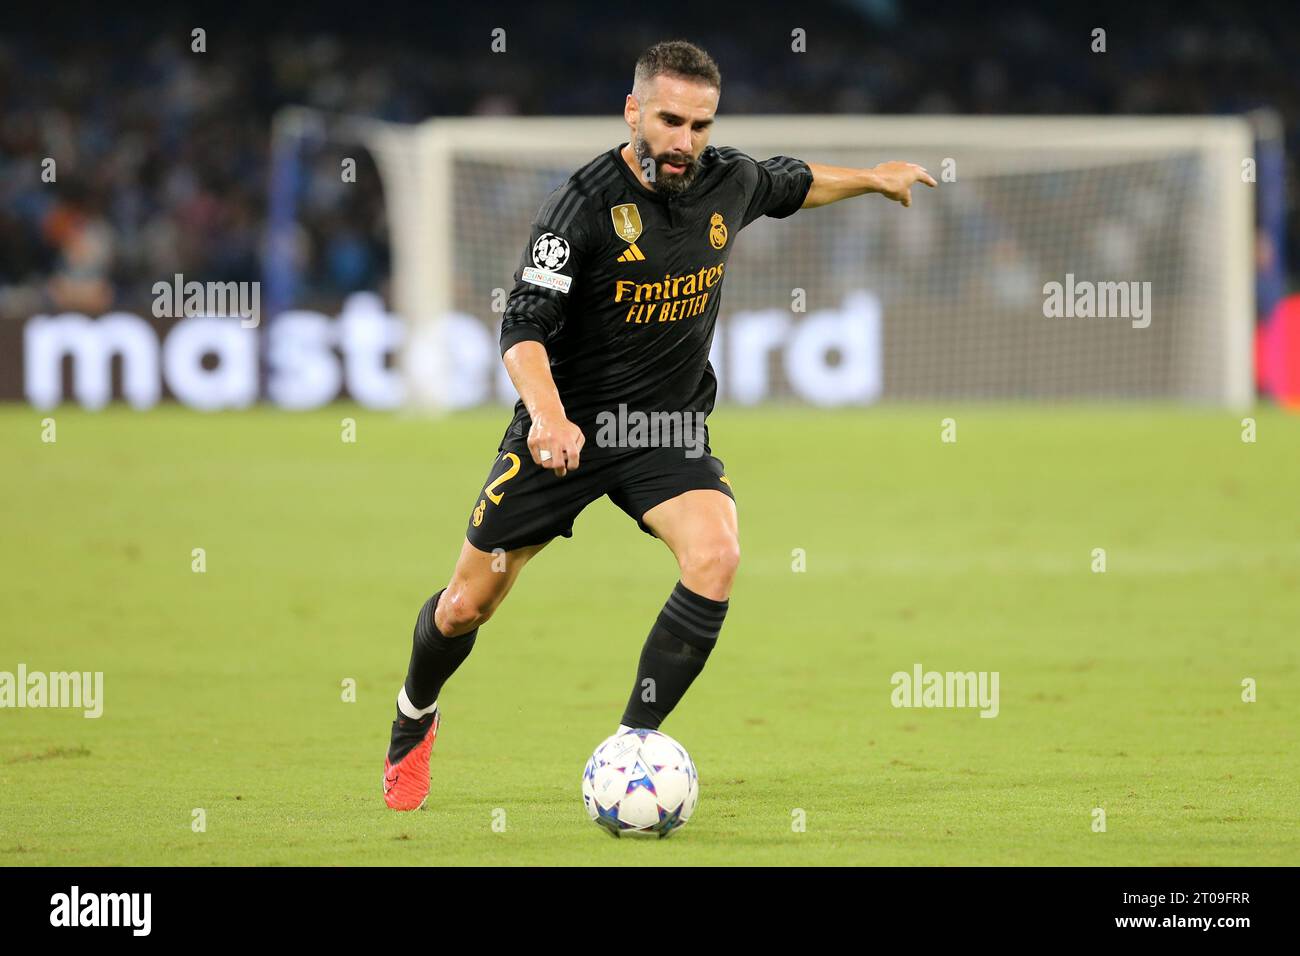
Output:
(223, 690)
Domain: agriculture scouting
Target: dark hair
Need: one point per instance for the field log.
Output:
(677, 58)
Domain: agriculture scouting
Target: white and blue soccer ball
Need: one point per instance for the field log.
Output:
(640, 781)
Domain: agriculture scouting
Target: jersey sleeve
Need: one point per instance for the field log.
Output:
(780, 188)
(549, 270)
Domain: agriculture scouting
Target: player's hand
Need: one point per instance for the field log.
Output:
(555, 443)
(895, 180)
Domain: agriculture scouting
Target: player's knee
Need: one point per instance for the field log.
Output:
(712, 564)
(461, 610)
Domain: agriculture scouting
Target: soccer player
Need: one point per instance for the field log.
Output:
(608, 326)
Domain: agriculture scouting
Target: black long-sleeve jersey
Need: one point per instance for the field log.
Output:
(622, 284)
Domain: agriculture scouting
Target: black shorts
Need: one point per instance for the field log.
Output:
(523, 504)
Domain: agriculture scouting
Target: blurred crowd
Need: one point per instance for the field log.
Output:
(127, 156)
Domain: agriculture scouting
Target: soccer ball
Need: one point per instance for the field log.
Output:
(640, 781)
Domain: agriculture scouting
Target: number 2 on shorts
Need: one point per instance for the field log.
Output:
(504, 477)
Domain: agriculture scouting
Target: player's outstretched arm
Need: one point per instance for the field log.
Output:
(892, 180)
(555, 442)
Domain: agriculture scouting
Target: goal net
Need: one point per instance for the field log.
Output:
(1091, 259)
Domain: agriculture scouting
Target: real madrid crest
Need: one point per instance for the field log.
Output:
(717, 231)
(627, 221)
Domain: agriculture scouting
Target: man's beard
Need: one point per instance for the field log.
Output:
(663, 181)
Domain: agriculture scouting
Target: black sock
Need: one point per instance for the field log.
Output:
(673, 656)
(434, 658)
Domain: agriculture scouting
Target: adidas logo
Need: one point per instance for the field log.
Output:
(633, 254)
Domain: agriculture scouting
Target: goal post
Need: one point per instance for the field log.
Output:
(1061, 258)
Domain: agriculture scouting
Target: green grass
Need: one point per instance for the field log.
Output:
(1119, 690)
